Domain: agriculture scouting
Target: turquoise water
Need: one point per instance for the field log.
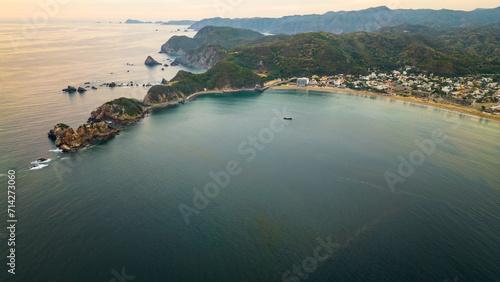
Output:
(319, 177)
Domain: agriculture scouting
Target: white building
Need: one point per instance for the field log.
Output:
(302, 81)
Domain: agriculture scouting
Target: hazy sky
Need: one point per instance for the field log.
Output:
(199, 9)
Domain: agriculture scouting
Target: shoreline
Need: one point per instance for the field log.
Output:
(193, 96)
(176, 102)
(449, 107)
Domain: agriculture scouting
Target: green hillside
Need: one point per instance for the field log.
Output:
(468, 51)
(225, 37)
(224, 75)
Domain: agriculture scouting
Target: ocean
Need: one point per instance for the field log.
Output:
(354, 188)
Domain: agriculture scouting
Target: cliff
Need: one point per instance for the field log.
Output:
(178, 45)
(204, 57)
(161, 94)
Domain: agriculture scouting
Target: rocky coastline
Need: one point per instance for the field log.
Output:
(106, 121)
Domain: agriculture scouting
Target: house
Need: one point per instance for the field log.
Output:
(302, 81)
(420, 93)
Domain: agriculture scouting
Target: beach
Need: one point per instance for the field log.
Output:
(455, 108)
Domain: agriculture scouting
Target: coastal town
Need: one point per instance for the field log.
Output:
(480, 92)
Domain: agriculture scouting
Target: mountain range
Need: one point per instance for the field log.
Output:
(364, 20)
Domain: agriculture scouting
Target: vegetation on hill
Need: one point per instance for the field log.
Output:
(224, 75)
(225, 37)
(127, 106)
(474, 51)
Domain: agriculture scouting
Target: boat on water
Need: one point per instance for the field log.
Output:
(287, 118)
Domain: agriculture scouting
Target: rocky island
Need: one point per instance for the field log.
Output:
(151, 62)
(105, 122)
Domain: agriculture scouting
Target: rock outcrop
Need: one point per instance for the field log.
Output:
(105, 122)
(68, 139)
(151, 62)
(119, 111)
(81, 90)
(70, 89)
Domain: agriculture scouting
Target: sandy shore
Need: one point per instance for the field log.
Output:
(464, 110)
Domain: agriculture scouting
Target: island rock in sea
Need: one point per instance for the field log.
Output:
(105, 122)
(151, 62)
(70, 89)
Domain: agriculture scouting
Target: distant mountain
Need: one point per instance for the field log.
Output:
(180, 22)
(364, 20)
(129, 21)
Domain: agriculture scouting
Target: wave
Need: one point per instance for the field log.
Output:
(40, 161)
(39, 166)
(56, 150)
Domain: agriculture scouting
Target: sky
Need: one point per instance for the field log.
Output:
(165, 10)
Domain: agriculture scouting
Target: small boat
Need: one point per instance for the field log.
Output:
(287, 118)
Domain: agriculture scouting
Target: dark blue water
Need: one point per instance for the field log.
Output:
(116, 204)
(292, 187)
